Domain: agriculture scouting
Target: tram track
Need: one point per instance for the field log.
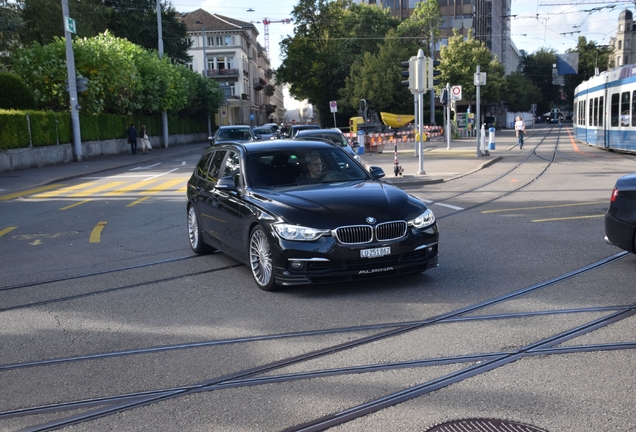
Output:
(488, 361)
(502, 176)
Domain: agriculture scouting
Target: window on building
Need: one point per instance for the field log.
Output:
(619, 61)
(621, 27)
(627, 44)
(228, 41)
(620, 44)
(218, 41)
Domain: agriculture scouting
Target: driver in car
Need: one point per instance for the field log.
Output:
(314, 169)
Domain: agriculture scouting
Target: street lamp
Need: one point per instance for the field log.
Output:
(205, 70)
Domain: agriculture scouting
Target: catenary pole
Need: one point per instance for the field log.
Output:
(164, 114)
(72, 86)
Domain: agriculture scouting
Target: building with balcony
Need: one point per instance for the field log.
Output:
(226, 50)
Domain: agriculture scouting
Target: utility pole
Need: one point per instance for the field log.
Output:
(164, 114)
(205, 69)
(69, 26)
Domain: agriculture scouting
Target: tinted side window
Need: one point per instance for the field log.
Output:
(215, 166)
(202, 167)
(232, 167)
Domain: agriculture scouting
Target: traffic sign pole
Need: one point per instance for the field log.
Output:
(333, 106)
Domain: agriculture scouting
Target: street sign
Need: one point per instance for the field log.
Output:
(69, 25)
(456, 93)
(333, 105)
(223, 114)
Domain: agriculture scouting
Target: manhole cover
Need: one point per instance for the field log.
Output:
(484, 425)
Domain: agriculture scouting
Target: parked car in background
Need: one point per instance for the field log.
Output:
(236, 133)
(302, 212)
(334, 135)
(294, 129)
(620, 218)
(264, 132)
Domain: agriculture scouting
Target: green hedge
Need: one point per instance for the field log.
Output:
(50, 128)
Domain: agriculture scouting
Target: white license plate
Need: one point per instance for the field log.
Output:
(374, 253)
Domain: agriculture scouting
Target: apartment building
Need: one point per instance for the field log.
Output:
(226, 50)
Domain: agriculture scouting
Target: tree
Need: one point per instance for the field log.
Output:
(458, 64)
(10, 26)
(123, 78)
(326, 42)
(376, 78)
(538, 67)
(591, 57)
(424, 22)
(521, 93)
(135, 20)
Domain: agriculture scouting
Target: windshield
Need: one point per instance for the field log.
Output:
(293, 167)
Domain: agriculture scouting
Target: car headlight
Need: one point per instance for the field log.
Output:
(299, 233)
(425, 219)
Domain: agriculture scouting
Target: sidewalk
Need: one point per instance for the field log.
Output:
(16, 181)
(440, 164)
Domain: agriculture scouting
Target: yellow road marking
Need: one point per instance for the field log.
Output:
(545, 207)
(37, 242)
(183, 189)
(28, 192)
(567, 218)
(138, 201)
(63, 190)
(96, 234)
(76, 204)
(131, 187)
(96, 189)
(6, 231)
(165, 185)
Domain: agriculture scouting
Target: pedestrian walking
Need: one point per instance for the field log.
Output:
(520, 130)
(145, 141)
(132, 138)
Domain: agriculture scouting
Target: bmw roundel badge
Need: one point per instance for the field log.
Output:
(371, 220)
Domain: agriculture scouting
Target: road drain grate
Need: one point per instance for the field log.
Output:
(484, 425)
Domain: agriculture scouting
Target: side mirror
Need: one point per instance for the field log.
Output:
(226, 183)
(376, 172)
(211, 140)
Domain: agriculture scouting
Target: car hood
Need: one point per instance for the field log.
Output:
(336, 204)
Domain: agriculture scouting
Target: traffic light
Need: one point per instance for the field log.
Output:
(81, 84)
(406, 74)
(432, 72)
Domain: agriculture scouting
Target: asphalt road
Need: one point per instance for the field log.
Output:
(109, 320)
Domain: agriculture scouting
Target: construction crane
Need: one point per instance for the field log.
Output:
(266, 22)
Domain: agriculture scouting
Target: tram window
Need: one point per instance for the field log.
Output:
(625, 116)
(615, 110)
(591, 113)
(595, 116)
(582, 113)
(601, 111)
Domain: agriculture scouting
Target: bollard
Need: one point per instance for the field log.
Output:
(491, 138)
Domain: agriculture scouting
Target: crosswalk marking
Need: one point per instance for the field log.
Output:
(65, 190)
(164, 186)
(132, 187)
(28, 192)
(96, 189)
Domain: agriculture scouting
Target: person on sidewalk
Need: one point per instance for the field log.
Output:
(520, 130)
(132, 138)
(145, 141)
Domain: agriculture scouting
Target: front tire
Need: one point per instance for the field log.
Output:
(194, 233)
(260, 255)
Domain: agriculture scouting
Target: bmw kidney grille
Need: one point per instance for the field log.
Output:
(365, 234)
